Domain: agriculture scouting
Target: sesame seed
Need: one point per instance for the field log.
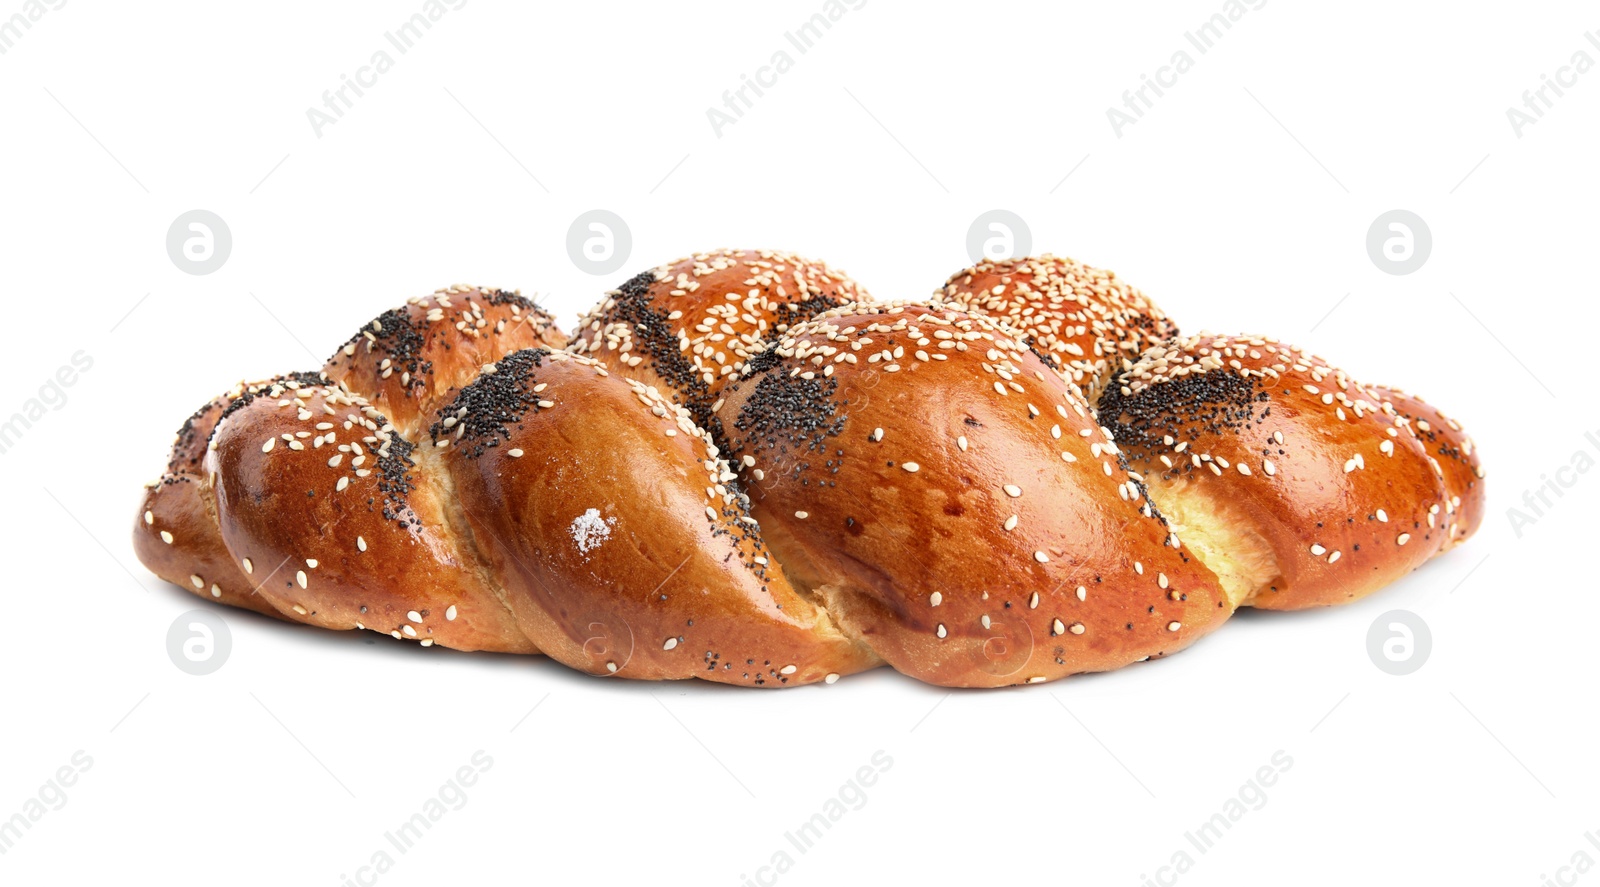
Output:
(1058, 627)
(514, 453)
(450, 613)
(216, 591)
(940, 632)
(149, 518)
(1082, 592)
(787, 669)
(801, 515)
(935, 599)
(413, 615)
(1041, 557)
(1076, 628)
(361, 543)
(670, 643)
(1174, 626)
(910, 466)
(961, 441)
(1404, 538)
(300, 578)
(249, 567)
(1011, 523)
(197, 581)
(166, 537)
(1013, 490)
(1033, 601)
(831, 678)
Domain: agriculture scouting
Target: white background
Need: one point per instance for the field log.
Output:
(1240, 201)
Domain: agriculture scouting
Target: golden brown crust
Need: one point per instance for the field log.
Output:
(336, 516)
(1264, 441)
(622, 548)
(175, 534)
(687, 327)
(1454, 456)
(1084, 321)
(955, 503)
(931, 492)
(410, 359)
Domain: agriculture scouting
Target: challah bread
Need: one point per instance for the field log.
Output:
(1084, 321)
(1299, 486)
(1451, 452)
(311, 504)
(954, 503)
(686, 327)
(712, 483)
(411, 359)
(176, 536)
(614, 530)
(340, 520)
(408, 358)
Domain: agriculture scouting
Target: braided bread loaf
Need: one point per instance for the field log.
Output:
(742, 469)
